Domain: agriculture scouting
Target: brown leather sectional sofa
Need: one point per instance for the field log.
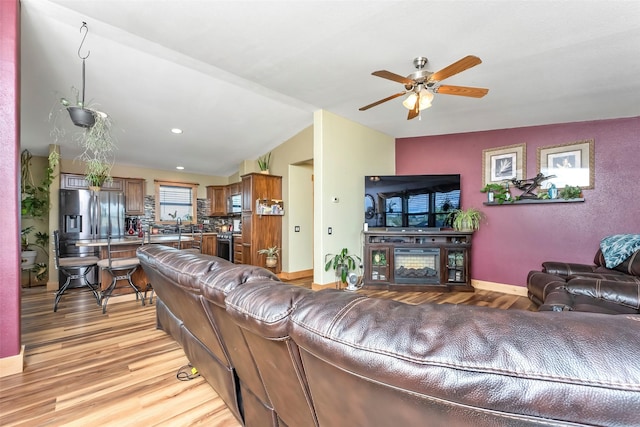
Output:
(562, 286)
(282, 355)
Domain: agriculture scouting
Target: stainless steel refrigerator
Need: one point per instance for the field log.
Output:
(87, 215)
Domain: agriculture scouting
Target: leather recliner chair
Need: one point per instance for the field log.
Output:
(562, 286)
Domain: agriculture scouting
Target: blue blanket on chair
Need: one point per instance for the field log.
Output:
(619, 247)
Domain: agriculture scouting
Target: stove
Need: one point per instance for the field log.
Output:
(225, 245)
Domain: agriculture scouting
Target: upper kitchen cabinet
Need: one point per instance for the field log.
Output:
(134, 191)
(233, 189)
(217, 198)
(70, 181)
(259, 186)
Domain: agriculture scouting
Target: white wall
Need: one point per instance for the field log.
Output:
(343, 153)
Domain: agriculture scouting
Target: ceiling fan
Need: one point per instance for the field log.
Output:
(422, 84)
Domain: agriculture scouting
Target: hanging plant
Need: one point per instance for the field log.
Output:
(36, 200)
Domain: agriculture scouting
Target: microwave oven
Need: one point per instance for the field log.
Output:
(234, 204)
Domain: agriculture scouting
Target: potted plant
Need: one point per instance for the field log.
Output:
(264, 162)
(570, 192)
(29, 252)
(35, 201)
(343, 263)
(499, 192)
(466, 219)
(272, 256)
(96, 173)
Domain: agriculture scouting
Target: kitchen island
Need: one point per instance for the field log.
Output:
(130, 245)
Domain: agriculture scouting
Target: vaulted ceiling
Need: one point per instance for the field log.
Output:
(240, 77)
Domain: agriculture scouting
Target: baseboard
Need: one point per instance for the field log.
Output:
(12, 364)
(499, 287)
(293, 275)
(53, 286)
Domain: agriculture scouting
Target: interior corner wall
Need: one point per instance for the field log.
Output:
(9, 174)
(343, 153)
(293, 161)
(518, 238)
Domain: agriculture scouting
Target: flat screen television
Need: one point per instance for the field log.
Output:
(410, 201)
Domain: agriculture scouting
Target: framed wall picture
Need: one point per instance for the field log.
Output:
(571, 164)
(503, 163)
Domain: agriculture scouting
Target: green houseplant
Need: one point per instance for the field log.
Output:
(570, 192)
(264, 162)
(499, 193)
(29, 253)
(343, 263)
(272, 256)
(466, 219)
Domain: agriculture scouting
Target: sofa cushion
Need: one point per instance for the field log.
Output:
(217, 284)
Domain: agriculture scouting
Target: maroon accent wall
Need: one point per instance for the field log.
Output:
(9, 173)
(518, 238)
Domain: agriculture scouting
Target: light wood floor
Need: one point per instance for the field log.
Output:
(85, 368)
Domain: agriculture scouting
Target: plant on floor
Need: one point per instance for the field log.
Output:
(343, 263)
(466, 219)
(42, 242)
(271, 254)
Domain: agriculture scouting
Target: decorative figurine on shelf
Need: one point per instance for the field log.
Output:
(529, 185)
(140, 230)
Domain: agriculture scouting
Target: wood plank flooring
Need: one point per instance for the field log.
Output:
(85, 368)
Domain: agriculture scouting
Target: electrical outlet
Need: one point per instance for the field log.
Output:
(206, 221)
(296, 228)
(330, 230)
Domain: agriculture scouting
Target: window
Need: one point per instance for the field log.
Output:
(419, 208)
(176, 200)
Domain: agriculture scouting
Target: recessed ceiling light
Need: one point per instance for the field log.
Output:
(176, 130)
(180, 168)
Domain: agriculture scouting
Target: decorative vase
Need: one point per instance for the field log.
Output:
(94, 188)
(28, 259)
(265, 172)
(81, 117)
(271, 261)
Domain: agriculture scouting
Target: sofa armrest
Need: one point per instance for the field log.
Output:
(557, 300)
(540, 284)
(565, 268)
(622, 293)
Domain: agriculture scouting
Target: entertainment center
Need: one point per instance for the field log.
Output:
(417, 259)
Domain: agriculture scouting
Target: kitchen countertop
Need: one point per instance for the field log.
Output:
(134, 240)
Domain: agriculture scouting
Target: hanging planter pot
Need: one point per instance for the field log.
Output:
(81, 117)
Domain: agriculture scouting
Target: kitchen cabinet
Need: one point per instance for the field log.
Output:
(217, 199)
(260, 231)
(238, 249)
(134, 191)
(209, 244)
(233, 189)
(70, 181)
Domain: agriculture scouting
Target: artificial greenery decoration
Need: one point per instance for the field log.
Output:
(342, 263)
(264, 161)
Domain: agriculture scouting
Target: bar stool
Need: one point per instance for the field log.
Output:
(120, 268)
(74, 268)
(196, 244)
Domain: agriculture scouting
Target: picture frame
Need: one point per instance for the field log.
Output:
(571, 164)
(505, 163)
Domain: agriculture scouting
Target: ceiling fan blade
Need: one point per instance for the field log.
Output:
(389, 98)
(474, 92)
(393, 76)
(455, 68)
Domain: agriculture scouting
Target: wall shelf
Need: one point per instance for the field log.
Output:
(535, 202)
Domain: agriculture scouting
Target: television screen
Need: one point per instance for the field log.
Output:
(410, 201)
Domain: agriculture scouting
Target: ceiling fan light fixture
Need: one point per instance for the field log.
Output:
(425, 100)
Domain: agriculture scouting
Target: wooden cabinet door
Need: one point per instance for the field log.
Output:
(216, 196)
(70, 181)
(247, 193)
(134, 191)
(209, 245)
